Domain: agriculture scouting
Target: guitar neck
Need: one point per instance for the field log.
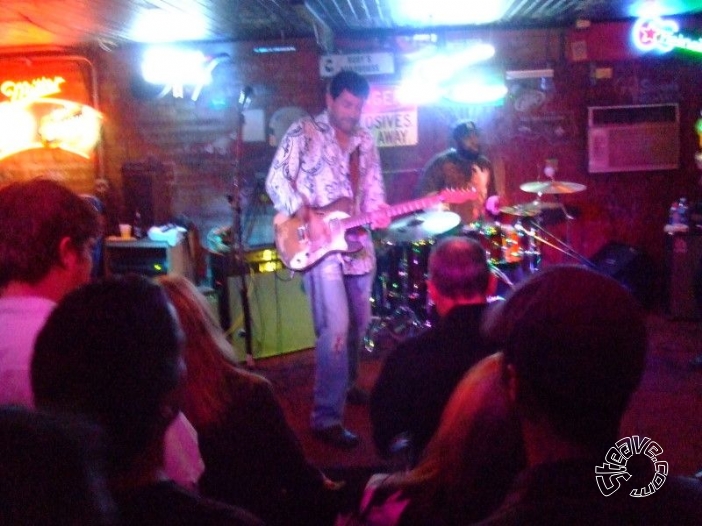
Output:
(395, 210)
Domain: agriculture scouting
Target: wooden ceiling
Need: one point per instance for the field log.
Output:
(110, 23)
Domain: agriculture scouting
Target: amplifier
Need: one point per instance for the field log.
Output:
(281, 321)
(146, 257)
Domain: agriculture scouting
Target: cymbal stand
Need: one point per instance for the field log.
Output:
(404, 317)
(533, 251)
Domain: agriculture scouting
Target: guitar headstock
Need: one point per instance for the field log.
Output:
(455, 196)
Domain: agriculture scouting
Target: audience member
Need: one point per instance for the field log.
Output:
(468, 465)
(111, 352)
(575, 344)
(48, 236)
(252, 457)
(52, 471)
(419, 375)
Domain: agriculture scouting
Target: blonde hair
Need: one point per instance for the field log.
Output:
(468, 465)
(208, 355)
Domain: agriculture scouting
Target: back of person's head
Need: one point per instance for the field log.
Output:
(458, 268)
(35, 216)
(208, 355)
(52, 471)
(476, 452)
(111, 351)
(351, 82)
(576, 341)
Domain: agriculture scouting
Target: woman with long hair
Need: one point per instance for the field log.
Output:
(467, 466)
(252, 457)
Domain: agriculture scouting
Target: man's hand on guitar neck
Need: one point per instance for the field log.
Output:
(380, 217)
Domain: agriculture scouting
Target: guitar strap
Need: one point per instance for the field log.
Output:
(355, 171)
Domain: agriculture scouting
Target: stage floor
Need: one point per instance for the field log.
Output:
(667, 407)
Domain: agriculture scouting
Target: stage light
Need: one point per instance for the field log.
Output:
(172, 65)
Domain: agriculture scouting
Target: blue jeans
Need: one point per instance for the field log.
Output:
(341, 312)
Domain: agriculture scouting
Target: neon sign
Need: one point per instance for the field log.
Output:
(34, 89)
(34, 120)
(656, 34)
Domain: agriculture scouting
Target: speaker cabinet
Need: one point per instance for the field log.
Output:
(281, 321)
(145, 188)
(683, 276)
(630, 267)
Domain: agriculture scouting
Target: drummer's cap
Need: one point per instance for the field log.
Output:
(464, 129)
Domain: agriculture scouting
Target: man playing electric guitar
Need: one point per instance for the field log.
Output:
(320, 160)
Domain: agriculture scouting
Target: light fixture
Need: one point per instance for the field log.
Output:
(522, 74)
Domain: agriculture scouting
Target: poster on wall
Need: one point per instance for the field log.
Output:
(391, 122)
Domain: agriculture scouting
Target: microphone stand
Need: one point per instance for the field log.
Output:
(237, 258)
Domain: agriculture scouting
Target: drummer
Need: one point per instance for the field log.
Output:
(463, 166)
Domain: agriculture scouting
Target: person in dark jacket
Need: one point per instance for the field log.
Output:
(420, 374)
(574, 344)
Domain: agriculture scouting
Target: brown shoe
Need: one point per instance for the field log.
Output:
(357, 396)
(337, 436)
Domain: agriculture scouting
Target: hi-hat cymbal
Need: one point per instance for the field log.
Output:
(529, 209)
(552, 187)
(422, 226)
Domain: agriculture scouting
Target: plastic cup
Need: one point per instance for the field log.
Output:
(125, 231)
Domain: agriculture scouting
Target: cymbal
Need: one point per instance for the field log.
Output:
(552, 187)
(421, 226)
(531, 209)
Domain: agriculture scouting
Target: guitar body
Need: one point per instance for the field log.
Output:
(299, 250)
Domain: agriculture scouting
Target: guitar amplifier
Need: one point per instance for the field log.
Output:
(281, 320)
(146, 257)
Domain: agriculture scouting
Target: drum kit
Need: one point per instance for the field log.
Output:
(400, 304)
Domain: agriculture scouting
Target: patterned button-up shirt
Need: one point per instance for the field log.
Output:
(310, 167)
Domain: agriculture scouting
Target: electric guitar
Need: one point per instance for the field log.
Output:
(299, 250)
